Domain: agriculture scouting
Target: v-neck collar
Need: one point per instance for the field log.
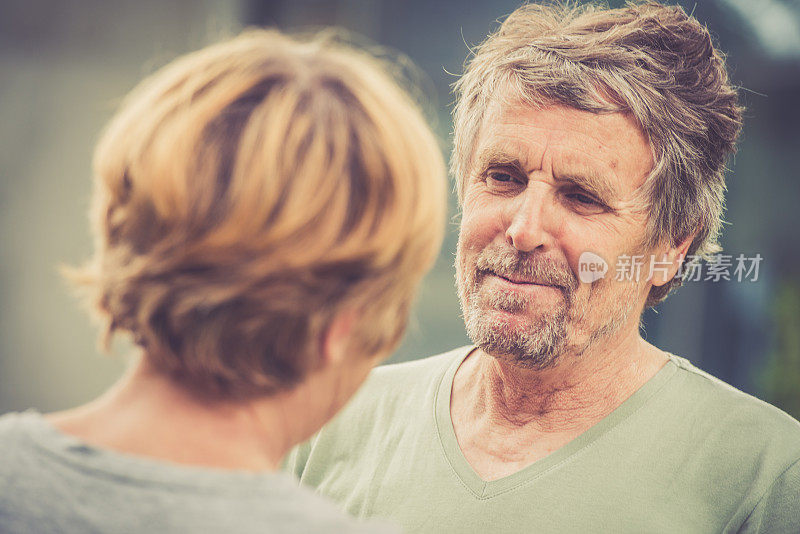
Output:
(483, 489)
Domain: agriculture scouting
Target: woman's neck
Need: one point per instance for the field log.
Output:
(147, 414)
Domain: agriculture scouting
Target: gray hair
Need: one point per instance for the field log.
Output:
(652, 61)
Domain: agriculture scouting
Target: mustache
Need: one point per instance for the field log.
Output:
(530, 267)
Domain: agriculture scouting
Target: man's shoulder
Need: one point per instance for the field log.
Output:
(393, 399)
(718, 394)
(299, 509)
(415, 371)
(405, 384)
(713, 404)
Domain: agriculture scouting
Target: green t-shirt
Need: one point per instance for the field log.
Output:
(686, 453)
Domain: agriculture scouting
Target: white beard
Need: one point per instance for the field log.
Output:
(538, 342)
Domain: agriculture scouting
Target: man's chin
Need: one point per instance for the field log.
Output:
(523, 357)
(527, 319)
(515, 340)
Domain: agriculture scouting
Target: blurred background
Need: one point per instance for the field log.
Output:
(65, 65)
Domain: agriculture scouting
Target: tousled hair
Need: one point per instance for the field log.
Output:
(246, 194)
(652, 61)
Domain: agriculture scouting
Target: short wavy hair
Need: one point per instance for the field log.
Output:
(246, 194)
(652, 61)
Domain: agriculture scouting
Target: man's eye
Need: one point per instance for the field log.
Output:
(501, 180)
(585, 200)
(500, 176)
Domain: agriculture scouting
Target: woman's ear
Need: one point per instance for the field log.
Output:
(336, 339)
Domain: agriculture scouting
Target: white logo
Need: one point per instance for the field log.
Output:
(591, 267)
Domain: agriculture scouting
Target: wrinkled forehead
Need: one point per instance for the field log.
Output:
(563, 140)
(510, 94)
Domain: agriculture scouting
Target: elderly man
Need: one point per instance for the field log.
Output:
(579, 134)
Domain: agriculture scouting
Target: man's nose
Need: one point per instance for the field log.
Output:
(527, 228)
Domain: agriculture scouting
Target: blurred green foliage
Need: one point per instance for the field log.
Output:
(781, 377)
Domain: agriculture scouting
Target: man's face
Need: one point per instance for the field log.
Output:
(545, 186)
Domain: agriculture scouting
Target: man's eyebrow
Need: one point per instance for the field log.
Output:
(497, 157)
(592, 182)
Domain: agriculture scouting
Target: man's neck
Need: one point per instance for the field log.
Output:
(147, 414)
(507, 416)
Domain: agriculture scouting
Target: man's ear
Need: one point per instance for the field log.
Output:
(335, 341)
(667, 266)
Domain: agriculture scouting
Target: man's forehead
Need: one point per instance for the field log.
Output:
(605, 186)
(609, 149)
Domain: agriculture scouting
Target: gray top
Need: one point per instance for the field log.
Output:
(52, 482)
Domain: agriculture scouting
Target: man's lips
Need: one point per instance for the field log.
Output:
(518, 279)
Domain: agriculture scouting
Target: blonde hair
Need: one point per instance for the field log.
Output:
(247, 193)
(650, 60)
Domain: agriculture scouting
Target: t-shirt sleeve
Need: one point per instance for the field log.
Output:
(295, 461)
(778, 511)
